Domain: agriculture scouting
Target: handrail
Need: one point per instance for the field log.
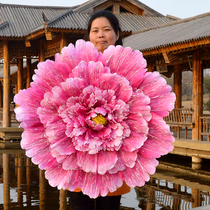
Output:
(178, 118)
(180, 115)
(204, 128)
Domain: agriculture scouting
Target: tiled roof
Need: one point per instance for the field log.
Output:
(130, 22)
(22, 19)
(181, 31)
(19, 21)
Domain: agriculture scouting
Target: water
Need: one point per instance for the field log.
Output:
(177, 185)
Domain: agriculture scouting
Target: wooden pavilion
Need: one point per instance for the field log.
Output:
(29, 34)
(33, 33)
(183, 45)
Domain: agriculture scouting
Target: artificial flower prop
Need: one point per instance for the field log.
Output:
(93, 120)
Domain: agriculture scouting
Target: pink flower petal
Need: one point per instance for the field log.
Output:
(137, 175)
(129, 158)
(114, 82)
(107, 161)
(126, 63)
(70, 162)
(162, 100)
(134, 141)
(88, 162)
(159, 139)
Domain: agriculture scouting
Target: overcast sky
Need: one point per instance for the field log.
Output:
(177, 8)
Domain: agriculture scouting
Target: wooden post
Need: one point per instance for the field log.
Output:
(197, 93)
(28, 73)
(20, 74)
(6, 86)
(178, 85)
(63, 42)
(41, 51)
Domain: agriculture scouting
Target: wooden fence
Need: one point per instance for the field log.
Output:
(180, 118)
(204, 128)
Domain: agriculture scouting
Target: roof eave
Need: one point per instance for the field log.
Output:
(179, 46)
(35, 35)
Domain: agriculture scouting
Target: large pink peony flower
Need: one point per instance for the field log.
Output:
(94, 120)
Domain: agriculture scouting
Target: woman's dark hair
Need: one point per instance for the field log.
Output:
(111, 18)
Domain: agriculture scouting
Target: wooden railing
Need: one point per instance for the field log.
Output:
(180, 118)
(204, 128)
(12, 115)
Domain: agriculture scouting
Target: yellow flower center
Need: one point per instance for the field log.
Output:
(99, 119)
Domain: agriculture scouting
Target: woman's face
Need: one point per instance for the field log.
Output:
(102, 34)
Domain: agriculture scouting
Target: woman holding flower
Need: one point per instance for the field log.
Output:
(93, 118)
(103, 30)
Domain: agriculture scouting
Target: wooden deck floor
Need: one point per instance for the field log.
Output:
(10, 138)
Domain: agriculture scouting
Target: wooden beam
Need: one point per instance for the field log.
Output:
(103, 6)
(6, 86)
(116, 8)
(131, 8)
(48, 35)
(165, 56)
(177, 47)
(36, 35)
